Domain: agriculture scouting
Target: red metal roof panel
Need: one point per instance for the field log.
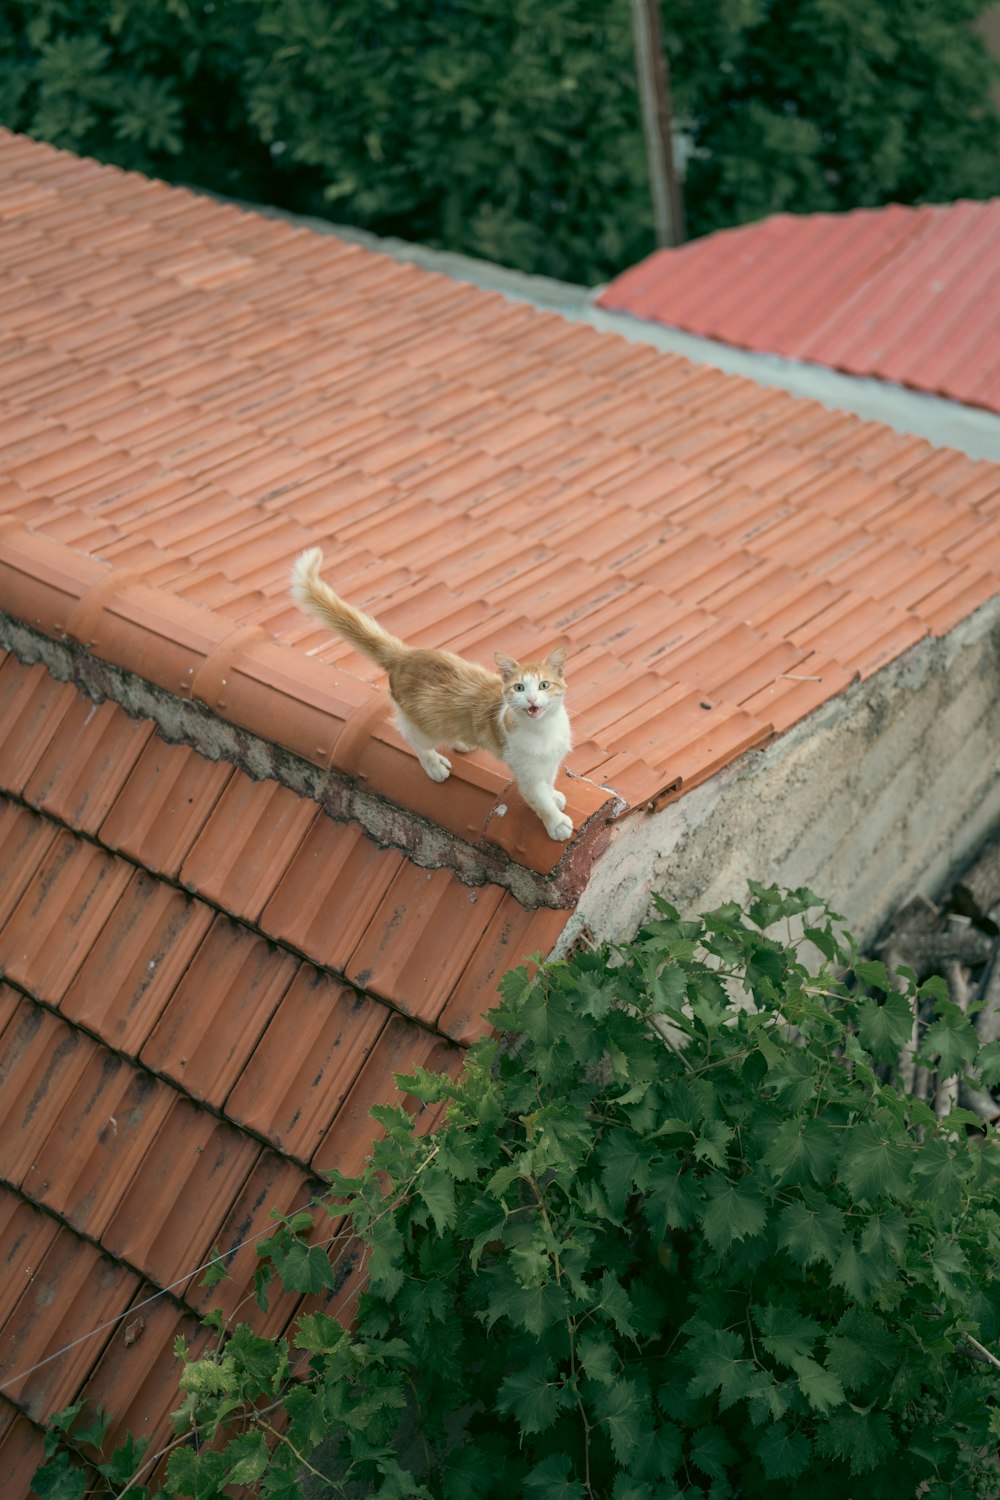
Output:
(906, 294)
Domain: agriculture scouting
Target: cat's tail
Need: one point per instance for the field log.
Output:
(360, 630)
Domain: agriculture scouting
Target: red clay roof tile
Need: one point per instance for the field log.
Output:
(415, 949)
(794, 694)
(513, 936)
(24, 842)
(306, 1062)
(25, 1237)
(215, 1016)
(74, 889)
(955, 600)
(398, 1049)
(135, 1379)
(32, 703)
(164, 805)
(42, 1062)
(96, 1140)
(193, 1159)
(71, 1274)
(247, 844)
(79, 788)
(135, 962)
(275, 1186)
(335, 869)
(20, 1449)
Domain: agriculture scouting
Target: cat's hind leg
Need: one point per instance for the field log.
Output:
(437, 766)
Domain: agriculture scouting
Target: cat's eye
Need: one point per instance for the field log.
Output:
(519, 687)
(543, 685)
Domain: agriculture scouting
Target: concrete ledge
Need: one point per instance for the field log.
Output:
(885, 791)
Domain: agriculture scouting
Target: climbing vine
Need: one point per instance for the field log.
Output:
(679, 1234)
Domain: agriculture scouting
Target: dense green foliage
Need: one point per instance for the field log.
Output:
(811, 105)
(677, 1235)
(511, 130)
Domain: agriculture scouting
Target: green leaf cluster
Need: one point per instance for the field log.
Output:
(512, 131)
(678, 1234)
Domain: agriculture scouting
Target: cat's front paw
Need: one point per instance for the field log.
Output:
(437, 766)
(559, 798)
(559, 827)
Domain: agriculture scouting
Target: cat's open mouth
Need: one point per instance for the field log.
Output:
(533, 711)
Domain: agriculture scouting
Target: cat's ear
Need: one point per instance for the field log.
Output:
(556, 660)
(506, 665)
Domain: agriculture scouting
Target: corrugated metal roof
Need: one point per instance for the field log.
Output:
(910, 295)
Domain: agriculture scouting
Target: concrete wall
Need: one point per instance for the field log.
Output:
(882, 793)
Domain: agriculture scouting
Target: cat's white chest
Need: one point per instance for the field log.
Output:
(538, 748)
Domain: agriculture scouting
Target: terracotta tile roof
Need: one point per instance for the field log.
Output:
(906, 294)
(205, 392)
(188, 1038)
(232, 907)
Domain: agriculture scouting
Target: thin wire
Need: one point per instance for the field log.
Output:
(314, 1202)
(137, 1307)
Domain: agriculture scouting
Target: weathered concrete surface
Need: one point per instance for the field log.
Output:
(883, 792)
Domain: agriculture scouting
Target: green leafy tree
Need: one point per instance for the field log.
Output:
(811, 105)
(678, 1235)
(511, 130)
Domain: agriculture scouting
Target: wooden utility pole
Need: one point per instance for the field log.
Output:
(657, 122)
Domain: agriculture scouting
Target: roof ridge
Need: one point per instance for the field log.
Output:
(235, 693)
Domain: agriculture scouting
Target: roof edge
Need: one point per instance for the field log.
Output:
(233, 692)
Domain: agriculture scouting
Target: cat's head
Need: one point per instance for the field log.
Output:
(533, 687)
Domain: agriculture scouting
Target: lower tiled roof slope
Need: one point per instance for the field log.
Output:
(906, 294)
(191, 394)
(207, 982)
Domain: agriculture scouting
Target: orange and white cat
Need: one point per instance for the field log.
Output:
(442, 699)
